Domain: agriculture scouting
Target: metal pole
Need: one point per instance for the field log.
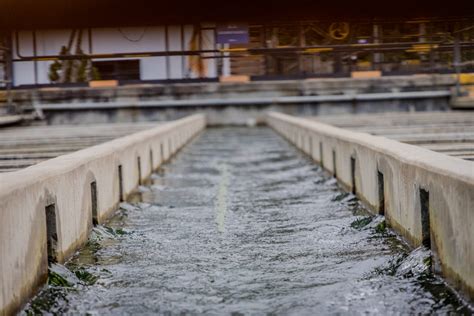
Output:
(89, 36)
(183, 58)
(219, 61)
(302, 43)
(200, 39)
(35, 63)
(263, 35)
(8, 68)
(457, 64)
(8, 53)
(376, 57)
(167, 59)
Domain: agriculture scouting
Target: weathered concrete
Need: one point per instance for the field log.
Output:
(10, 120)
(356, 159)
(238, 114)
(65, 182)
(237, 103)
(204, 91)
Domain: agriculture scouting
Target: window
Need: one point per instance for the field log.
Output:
(118, 69)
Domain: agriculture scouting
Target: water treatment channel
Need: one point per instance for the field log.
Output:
(240, 223)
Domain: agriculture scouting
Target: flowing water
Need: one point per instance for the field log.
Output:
(241, 223)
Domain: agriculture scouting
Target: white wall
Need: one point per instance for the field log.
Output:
(115, 40)
(23, 72)
(177, 63)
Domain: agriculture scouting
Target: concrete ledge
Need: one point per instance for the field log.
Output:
(65, 182)
(227, 90)
(244, 101)
(10, 120)
(391, 176)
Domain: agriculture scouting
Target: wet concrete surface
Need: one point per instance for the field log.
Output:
(241, 223)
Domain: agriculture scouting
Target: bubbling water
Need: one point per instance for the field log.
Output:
(240, 222)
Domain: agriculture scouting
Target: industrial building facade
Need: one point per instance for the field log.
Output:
(99, 41)
(209, 51)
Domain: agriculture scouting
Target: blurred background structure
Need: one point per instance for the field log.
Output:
(73, 42)
(59, 53)
(262, 51)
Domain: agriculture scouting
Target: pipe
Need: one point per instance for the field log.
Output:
(248, 101)
(276, 50)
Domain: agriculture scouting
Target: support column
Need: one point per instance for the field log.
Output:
(457, 63)
(337, 69)
(422, 39)
(302, 43)
(167, 58)
(7, 63)
(377, 58)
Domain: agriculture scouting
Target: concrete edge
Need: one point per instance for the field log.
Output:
(357, 160)
(410, 154)
(245, 101)
(10, 181)
(57, 195)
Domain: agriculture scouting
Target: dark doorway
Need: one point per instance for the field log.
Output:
(95, 220)
(321, 154)
(120, 183)
(425, 218)
(139, 165)
(353, 176)
(381, 185)
(151, 161)
(162, 153)
(51, 233)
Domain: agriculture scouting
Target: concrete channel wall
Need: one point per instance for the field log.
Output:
(425, 196)
(234, 103)
(56, 202)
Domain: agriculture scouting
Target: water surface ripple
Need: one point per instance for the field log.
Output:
(240, 222)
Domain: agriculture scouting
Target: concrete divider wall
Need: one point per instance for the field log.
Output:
(65, 185)
(394, 179)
